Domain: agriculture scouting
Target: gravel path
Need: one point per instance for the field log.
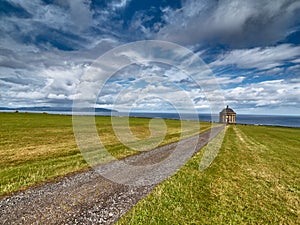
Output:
(87, 197)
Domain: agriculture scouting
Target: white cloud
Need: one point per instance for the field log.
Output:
(225, 80)
(35, 71)
(57, 96)
(61, 15)
(295, 67)
(35, 95)
(296, 61)
(267, 95)
(118, 4)
(80, 13)
(259, 58)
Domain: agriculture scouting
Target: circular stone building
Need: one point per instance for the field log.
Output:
(227, 116)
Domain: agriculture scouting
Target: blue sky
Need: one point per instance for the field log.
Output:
(251, 47)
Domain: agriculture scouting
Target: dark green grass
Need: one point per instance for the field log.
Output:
(35, 148)
(255, 179)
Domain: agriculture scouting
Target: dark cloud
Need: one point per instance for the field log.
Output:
(51, 26)
(232, 22)
(47, 45)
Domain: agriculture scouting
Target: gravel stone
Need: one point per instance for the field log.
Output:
(85, 197)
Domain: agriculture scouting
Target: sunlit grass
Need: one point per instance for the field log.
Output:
(255, 179)
(37, 147)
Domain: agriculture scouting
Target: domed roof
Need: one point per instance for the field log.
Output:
(227, 110)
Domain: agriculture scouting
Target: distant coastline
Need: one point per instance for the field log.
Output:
(266, 120)
(59, 110)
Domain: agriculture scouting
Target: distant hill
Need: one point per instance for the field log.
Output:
(56, 109)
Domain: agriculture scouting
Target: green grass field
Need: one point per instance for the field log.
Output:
(35, 148)
(255, 179)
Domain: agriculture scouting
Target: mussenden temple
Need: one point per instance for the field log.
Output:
(227, 116)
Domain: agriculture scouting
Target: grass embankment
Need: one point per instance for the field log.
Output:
(37, 147)
(255, 179)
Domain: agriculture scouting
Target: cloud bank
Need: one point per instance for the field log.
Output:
(252, 47)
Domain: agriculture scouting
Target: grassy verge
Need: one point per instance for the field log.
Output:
(255, 179)
(37, 147)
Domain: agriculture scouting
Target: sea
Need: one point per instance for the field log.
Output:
(269, 120)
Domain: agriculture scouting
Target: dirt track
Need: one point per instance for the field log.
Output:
(87, 197)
